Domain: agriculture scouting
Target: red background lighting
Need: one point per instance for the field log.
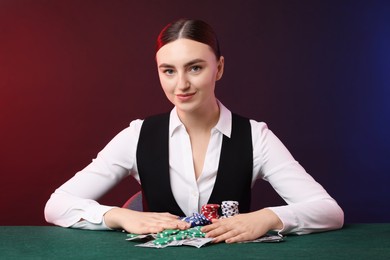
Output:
(75, 73)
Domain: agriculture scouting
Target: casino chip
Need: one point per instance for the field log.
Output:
(210, 211)
(162, 241)
(229, 208)
(196, 232)
(179, 237)
(132, 235)
(167, 233)
(196, 219)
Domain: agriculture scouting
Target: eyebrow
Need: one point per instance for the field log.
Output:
(188, 64)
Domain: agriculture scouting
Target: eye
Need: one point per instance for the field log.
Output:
(195, 68)
(168, 72)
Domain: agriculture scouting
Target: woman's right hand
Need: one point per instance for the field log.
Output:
(142, 222)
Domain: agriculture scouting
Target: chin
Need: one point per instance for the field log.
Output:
(186, 107)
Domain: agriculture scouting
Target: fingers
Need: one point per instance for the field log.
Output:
(219, 230)
(235, 229)
(183, 225)
(169, 221)
(215, 224)
(142, 222)
(172, 224)
(228, 236)
(151, 222)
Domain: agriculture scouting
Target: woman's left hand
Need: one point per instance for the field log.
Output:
(243, 227)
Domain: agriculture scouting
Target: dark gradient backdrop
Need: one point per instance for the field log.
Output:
(75, 73)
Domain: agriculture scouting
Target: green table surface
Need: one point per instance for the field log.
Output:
(354, 241)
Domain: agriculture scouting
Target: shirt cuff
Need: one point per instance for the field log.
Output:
(287, 217)
(93, 219)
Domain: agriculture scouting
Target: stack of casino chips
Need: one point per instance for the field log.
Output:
(170, 235)
(196, 219)
(229, 208)
(210, 211)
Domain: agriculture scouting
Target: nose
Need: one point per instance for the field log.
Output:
(183, 82)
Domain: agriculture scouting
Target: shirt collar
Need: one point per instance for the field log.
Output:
(224, 124)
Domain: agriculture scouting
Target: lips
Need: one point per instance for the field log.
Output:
(185, 96)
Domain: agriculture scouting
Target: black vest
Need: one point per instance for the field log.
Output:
(234, 175)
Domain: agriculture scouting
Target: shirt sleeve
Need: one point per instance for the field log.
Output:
(309, 207)
(74, 204)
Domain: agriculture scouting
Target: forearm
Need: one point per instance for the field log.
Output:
(67, 211)
(310, 217)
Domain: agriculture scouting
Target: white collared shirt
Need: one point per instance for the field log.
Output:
(309, 209)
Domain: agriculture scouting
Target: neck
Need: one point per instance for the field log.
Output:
(202, 120)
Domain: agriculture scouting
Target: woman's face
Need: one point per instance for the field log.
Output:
(188, 71)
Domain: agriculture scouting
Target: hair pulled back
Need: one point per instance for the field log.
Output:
(196, 30)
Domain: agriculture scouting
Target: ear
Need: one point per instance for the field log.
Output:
(221, 64)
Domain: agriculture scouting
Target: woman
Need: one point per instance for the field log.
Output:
(198, 153)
